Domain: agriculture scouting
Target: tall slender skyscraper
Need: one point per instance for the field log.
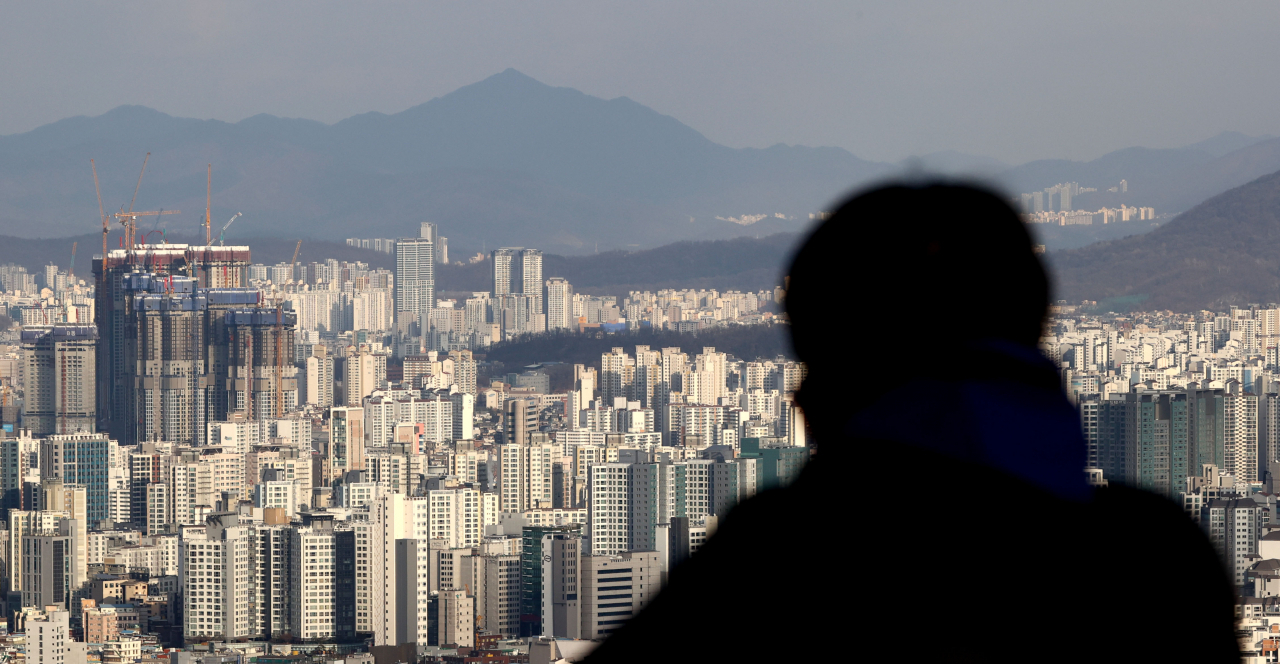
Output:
(415, 288)
(506, 271)
(531, 276)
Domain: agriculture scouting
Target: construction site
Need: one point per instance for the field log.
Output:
(184, 340)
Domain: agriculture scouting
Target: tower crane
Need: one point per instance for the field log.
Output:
(130, 218)
(130, 222)
(224, 229)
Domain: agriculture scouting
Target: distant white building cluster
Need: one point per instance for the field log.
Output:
(1056, 206)
(1121, 214)
(388, 246)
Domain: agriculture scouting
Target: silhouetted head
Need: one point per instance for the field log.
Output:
(906, 276)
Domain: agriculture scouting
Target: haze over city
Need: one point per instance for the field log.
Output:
(1009, 80)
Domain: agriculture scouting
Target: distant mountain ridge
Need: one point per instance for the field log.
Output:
(509, 161)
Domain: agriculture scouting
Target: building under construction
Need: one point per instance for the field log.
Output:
(167, 316)
(167, 347)
(261, 379)
(60, 381)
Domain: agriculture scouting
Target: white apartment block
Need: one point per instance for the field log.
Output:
(559, 303)
(292, 461)
(456, 517)
(466, 465)
(359, 494)
(622, 504)
(383, 413)
(1241, 424)
(218, 569)
(524, 476)
(98, 543)
(276, 494)
(318, 381)
(401, 473)
(554, 516)
(49, 640)
(156, 553)
(628, 502)
(313, 587)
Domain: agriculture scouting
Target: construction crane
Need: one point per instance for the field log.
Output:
(208, 201)
(130, 222)
(129, 219)
(138, 186)
(223, 233)
(294, 269)
(72, 270)
(105, 228)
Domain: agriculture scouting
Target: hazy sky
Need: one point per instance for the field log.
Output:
(1016, 80)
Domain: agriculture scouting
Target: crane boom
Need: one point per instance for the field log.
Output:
(101, 212)
(139, 185)
(128, 224)
(223, 232)
(141, 213)
(147, 213)
(208, 201)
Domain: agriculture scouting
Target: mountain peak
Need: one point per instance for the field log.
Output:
(507, 80)
(131, 112)
(513, 74)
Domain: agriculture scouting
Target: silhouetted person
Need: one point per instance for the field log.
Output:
(945, 515)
